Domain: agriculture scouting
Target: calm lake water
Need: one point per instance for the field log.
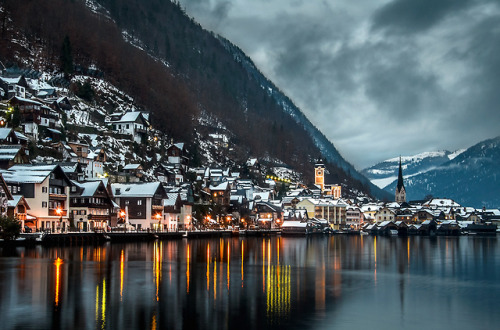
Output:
(337, 282)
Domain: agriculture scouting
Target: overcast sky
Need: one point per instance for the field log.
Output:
(379, 78)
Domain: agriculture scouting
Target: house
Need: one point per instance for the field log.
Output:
(171, 212)
(142, 203)
(73, 170)
(11, 155)
(354, 217)
(176, 156)
(18, 209)
(131, 123)
(5, 196)
(267, 215)
(220, 193)
(385, 214)
(8, 136)
(332, 210)
(30, 112)
(46, 190)
(90, 205)
(131, 173)
(16, 86)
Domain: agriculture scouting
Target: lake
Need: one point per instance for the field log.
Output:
(323, 282)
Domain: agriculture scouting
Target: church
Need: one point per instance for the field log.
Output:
(319, 180)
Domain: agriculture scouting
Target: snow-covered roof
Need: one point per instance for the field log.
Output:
(293, 223)
(20, 136)
(4, 132)
(170, 201)
(128, 117)
(28, 173)
(16, 199)
(131, 166)
(442, 202)
(146, 189)
(89, 188)
(8, 152)
(221, 186)
(22, 99)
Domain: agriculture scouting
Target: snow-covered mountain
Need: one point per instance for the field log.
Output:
(386, 172)
(470, 178)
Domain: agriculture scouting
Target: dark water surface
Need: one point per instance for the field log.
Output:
(337, 282)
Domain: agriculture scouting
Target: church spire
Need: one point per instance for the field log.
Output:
(400, 189)
(400, 176)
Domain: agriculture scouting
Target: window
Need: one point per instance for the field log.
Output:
(139, 202)
(44, 189)
(44, 204)
(127, 202)
(73, 188)
(139, 213)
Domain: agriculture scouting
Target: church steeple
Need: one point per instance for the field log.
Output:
(400, 189)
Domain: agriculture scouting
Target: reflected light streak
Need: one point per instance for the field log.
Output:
(263, 266)
(375, 251)
(97, 303)
(228, 271)
(242, 258)
(154, 324)
(58, 262)
(122, 270)
(208, 267)
(157, 268)
(187, 268)
(278, 292)
(103, 305)
(215, 278)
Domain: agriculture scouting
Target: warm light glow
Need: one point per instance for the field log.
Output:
(122, 214)
(208, 267)
(158, 216)
(58, 262)
(58, 210)
(157, 267)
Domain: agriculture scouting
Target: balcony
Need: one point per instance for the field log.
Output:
(59, 197)
(58, 212)
(157, 207)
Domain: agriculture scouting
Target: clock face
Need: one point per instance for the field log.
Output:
(319, 172)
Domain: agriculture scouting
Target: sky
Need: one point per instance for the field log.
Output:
(379, 78)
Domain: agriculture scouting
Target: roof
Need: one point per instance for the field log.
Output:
(170, 201)
(147, 189)
(89, 188)
(4, 132)
(20, 135)
(17, 198)
(222, 186)
(8, 152)
(128, 117)
(131, 166)
(28, 173)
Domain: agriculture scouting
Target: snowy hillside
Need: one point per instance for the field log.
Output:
(386, 172)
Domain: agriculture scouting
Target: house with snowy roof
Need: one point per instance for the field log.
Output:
(131, 123)
(30, 111)
(385, 214)
(18, 209)
(171, 211)
(176, 155)
(142, 203)
(13, 86)
(11, 155)
(268, 215)
(91, 206)
(46, 190)
(8, 136)
(5, 195)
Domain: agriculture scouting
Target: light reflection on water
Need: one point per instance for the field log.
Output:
(255, 283)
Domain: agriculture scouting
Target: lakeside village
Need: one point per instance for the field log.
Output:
(75, 194)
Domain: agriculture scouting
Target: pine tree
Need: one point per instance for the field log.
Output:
(66, 57)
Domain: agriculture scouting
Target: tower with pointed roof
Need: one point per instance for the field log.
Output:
(400, 188)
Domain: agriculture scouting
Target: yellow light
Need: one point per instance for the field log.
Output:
(122, 214)
(158, 216)
(58, 210)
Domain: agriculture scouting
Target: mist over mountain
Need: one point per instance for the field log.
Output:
(193, 82)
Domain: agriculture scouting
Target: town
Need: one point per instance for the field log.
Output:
(57, 178)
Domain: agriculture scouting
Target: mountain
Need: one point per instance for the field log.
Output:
(192, 82)
(472, 178)
(386, 172)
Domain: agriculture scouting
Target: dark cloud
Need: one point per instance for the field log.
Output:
(377, 79)
(408, 16)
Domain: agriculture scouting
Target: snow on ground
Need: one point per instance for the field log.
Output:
(455, 154)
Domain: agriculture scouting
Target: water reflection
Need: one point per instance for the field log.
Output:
(253, 283)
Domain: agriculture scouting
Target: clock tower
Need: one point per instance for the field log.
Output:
(319, 175)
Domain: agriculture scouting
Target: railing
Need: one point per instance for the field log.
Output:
(60, 213)
(58, 196)
(157, 207)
